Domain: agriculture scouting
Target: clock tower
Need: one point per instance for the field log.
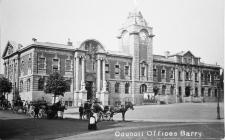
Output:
(135, 39)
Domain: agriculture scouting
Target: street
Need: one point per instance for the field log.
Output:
(175, 121)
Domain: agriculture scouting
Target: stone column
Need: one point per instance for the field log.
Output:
(183, 85)
(98, 76)
(103, 76)
(76, 94)
(83, 75)
(199, 83)
(193, 82)
(176, 83)
(77, 74)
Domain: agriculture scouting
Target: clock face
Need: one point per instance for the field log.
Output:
(143, 36)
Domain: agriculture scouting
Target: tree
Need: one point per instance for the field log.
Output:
(56, 85)
(5, 86)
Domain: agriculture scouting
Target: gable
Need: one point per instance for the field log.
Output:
(188, 54)
(11, 47)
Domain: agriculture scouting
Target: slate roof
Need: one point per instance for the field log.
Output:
(54, 45)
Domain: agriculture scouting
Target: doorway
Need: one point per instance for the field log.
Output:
(89, 88)
(187, 91)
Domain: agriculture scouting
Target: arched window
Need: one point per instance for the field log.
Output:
(127, 85)
(163, 89)
(28, 84)
(21, 86)
(143, 88)
(117, 87)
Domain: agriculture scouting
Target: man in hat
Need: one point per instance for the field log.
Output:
(81, 111)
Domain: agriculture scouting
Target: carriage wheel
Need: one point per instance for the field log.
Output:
(107, 116)
(31, 113)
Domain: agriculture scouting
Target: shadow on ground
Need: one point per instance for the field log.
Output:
(46, 129)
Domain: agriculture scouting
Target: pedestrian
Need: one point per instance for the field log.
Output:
(81, 111)
(36, 111)
(92, 125)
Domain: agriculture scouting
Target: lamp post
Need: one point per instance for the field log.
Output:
(218, 100)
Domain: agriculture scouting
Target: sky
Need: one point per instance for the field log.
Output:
(178, 25)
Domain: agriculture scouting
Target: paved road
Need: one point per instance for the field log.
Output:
(184, 112)
(174, 131)
(147, 118)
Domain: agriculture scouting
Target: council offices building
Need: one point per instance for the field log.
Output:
(134, 74)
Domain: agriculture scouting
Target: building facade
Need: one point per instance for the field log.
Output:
(133, 74)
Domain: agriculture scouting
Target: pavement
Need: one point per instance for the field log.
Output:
(175, 131)
(199, 118)
(183, 112)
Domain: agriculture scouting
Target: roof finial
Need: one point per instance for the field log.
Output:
(135, 5)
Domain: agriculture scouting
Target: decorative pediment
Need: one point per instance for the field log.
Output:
(11, 47)
(188, 54)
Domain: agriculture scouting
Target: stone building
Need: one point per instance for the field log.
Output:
(133, 74)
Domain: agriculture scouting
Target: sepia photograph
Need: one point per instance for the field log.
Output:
(112, 69)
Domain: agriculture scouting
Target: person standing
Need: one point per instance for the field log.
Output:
(36, 111)
(81, 111)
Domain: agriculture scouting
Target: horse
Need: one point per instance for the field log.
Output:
(122, 109)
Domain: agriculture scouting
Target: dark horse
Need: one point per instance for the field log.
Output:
(122, 109)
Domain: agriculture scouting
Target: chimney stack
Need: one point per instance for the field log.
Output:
(69, 43)
(167, 53)
(34, 39)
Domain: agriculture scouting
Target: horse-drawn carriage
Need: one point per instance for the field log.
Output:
(46, 110)
(4, 103)
(105, 112)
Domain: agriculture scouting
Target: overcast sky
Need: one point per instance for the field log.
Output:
(195, 25)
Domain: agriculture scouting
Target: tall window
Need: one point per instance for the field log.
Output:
(209, 92)
(41, 64)
(106, 68)
(179, 75)
(143, 71)
(188, 75)
(21, 86)
(55, 65)
(172, 74)
(108, 87)
(154, 72)
(28, 84)
(202, 92)
(163, 74)
(163, 90)
(171, 90)
(29, 62)
(69, 85)
(41, 82)
(209, 77)
(180, 91)
(126, 71)
(68, 65)
(143, 88)
(117, 69)
(127, 85)
(196, 92)
(196, 76)
(117, 87)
